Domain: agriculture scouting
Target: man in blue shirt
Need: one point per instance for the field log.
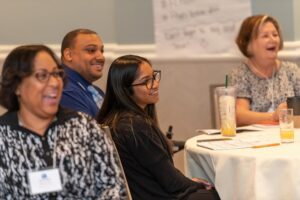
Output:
(83, 60)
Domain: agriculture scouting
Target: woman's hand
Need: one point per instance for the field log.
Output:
(206, 184)
(275, 115)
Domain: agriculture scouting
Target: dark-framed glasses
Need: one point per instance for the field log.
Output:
(149, 82)
(43, 75)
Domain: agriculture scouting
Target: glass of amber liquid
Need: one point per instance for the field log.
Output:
(286, 125)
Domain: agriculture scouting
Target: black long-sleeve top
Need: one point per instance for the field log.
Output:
(148, 163)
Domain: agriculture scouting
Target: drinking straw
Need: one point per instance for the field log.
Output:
(226, 81)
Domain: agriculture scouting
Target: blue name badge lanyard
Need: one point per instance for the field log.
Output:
(44, 180)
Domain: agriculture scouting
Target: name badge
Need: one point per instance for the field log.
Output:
(44, 181)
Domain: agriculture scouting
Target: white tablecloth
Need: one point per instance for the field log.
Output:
(268, 173)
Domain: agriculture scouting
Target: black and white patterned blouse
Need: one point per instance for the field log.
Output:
(84, 155)
(263, 92)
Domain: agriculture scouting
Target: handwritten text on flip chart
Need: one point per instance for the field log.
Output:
(193, 27)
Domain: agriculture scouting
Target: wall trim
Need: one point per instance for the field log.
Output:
(291, 51)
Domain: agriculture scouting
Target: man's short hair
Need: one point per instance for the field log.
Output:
(69, 39)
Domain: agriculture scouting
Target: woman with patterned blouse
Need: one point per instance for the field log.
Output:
(263, 82)
(47, 152)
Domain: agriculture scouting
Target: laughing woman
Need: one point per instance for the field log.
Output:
(47, 152)
(129, 109)
(263, 82)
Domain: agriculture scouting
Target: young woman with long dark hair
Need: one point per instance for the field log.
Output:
(129, 110)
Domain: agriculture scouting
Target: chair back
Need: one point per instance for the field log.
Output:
(107, 132)
(215, 116)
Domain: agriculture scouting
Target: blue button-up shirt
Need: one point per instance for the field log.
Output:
(75, 94)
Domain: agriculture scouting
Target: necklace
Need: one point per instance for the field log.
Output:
(254, 68)
(270, 81)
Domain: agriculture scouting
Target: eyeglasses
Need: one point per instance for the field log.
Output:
(43, 75)
(149, 82)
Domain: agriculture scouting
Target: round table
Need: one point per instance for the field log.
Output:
(268, 173)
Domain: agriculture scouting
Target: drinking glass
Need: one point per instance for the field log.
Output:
(286, 125)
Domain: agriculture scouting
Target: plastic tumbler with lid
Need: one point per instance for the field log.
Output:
(226, 106)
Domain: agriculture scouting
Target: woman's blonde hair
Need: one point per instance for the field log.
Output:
(249, 31)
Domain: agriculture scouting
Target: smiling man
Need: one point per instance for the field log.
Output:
(83, 61)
